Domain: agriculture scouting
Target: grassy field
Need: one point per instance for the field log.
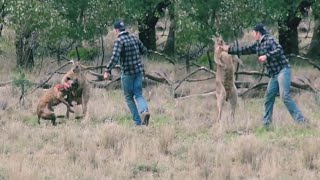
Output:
(183, 140)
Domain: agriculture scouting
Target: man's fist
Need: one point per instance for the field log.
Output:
(106, 76)
(262, 58)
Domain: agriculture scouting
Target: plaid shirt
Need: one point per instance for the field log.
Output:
(276, 60)
(127, 48)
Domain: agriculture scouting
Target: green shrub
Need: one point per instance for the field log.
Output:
(203, 60)
(22, 83)
(84, 53)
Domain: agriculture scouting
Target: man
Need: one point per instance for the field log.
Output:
(271, 54)
(128, 48)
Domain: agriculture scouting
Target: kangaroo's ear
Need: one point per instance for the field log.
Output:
(71, 61)
(213, 38)
(83, 67)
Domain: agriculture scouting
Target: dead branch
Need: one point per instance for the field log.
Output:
(163, 55)
(196, 95)
(255, 87)
(104, 86)
(157, 79)
(194, 72)
(96, 74)
(184, 67)
(5, 83)
(304, 86)
(306, 59)
(297, 85)
(149, 76)
(198, 80)
(51, 75)
(243, 84)
(255, 73)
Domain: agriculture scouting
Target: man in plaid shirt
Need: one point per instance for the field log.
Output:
(271, 54)
(128, 48)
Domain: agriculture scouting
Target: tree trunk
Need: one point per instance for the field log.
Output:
(102, 49)
(147, 34)
(147, 31)
(288, 27)
(2, 15)
(59, 55)
(24, 51)
(288, 37)
(313, 51)
(169, 48)
(19, 52)
(188, 61)
(210, 60)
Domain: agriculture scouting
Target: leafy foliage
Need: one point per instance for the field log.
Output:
(84, 53)
(197, 21)
(65, 24)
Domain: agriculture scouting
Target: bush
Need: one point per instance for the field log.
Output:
(84, 53)
(203, 60)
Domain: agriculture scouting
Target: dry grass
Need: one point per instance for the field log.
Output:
(183, 141)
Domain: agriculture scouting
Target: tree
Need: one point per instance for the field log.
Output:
(26, 17)
(3, 13)
(76, 22)
(147, 13)
(313, 51)
(170, 44)
(294, 11)
(197, 22)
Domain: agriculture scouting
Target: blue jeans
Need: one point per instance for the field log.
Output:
(132, 88)
(280, 83)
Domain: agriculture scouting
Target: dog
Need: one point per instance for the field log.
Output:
(81, 94)
(54, 96)
(225, 83)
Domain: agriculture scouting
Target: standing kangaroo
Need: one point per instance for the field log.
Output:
(81, 94)
(225, 83)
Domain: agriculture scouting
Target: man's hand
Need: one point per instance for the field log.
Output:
(224, 48)
(262, 59)
(106, 76)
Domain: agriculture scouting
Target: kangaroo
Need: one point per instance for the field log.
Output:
(225, 83)
(81, 94)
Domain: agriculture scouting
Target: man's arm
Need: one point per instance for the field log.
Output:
(244, 50)
(115, 56)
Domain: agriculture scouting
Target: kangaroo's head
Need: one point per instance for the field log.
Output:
(218, 41)
(77, 67)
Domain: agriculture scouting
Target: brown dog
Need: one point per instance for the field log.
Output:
(81, 94)
(225, 86)
(54, 96)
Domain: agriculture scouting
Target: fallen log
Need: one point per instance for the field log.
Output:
(253, 87)
(255, 73)
(104, 86)
(5, 83)
(297, 85)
